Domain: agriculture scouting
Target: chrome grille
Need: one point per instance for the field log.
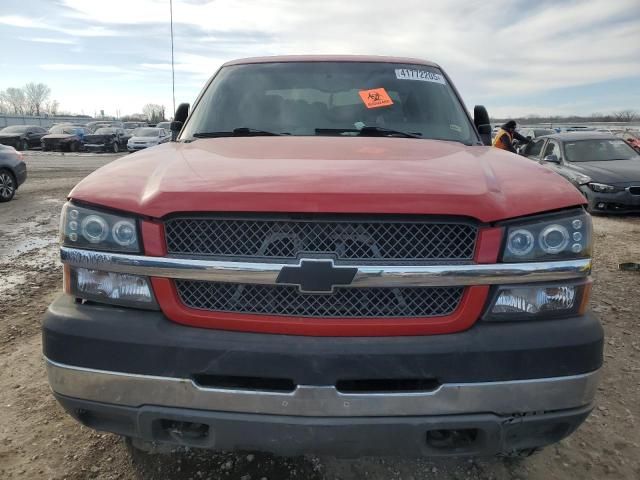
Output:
(343, 303)
(345, 238)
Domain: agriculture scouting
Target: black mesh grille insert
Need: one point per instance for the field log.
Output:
(345, 239)
(345, 302)
(634, 190)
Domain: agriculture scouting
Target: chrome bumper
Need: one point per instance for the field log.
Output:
(367, 276)
(507, 397)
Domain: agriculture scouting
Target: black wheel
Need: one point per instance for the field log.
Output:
(24, 145)
(116, 147)
(7, 185)
(73, 147)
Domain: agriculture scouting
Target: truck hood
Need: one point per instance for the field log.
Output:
(327, 174)
(611, 171)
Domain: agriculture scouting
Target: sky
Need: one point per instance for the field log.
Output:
(516, 57)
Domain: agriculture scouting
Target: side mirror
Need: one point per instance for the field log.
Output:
(552, 158)
(482, 123)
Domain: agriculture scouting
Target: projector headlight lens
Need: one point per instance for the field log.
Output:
(562, 236)
(84, 227)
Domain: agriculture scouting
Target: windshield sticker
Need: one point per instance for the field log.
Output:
(420, 75)
(378, 97)
(455, 128)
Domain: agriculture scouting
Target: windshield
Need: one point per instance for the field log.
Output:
(14, 129)
(146, 132)
(64, 129)
(598, 150)
(331, 98)
(105, 131)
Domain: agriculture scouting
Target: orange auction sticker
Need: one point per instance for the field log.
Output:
(378, 97)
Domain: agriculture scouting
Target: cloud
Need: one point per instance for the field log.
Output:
(74, 31)
(60, 41)
(74, 67)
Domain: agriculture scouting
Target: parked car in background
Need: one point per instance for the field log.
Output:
(631, 137)
(147, 137)
(13, 172)
(605, 168)
(165, 125)
(131, 126)
(107, 139)
(22, 137)
(93, 126)
(67, 138)
(531, 133)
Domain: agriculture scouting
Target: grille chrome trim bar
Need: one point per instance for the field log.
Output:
(503, 397)
(367, 276)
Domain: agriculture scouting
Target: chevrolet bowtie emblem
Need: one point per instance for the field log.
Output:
(316, 276)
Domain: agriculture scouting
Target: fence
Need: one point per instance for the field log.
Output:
(42, 121)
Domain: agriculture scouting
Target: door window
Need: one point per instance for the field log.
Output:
(552, 148)
(534, 148)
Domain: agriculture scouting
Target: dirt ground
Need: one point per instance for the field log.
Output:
(38, 440)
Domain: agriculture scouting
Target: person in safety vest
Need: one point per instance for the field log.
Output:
(506, 134)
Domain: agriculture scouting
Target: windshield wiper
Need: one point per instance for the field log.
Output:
(238, 132)
(367, 131)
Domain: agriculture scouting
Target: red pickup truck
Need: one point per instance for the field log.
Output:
(327, 260)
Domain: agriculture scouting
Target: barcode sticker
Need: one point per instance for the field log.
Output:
(420, 75)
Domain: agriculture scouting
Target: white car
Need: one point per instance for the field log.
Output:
(145, 137)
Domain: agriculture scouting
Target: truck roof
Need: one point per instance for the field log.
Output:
(331, 58)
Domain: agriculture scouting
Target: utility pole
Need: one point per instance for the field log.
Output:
(173, 74)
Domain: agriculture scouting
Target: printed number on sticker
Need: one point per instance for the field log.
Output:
(420, 75)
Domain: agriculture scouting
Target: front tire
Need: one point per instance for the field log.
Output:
(7, 185)
(116, 147)
(24, 145)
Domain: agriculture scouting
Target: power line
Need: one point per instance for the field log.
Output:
(173, 73)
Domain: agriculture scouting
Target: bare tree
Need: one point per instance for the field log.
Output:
(37, 94)
(52, 107)
(626, 115)
(15, 98)
(153, 112)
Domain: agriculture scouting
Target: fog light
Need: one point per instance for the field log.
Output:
(109, 287)
(525, 302)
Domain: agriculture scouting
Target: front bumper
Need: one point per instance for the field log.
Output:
(97, 147)
(504, 385)
(408, 436)
(134, 147)
(619, 202)
(14, 142)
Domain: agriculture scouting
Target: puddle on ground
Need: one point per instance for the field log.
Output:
(9, 252)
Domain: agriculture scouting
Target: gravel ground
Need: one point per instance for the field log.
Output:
(38, 440)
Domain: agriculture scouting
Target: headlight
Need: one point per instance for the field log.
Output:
(544, 301)
(551, 237)
(603, 188)
(114, 288)
(88, 228)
